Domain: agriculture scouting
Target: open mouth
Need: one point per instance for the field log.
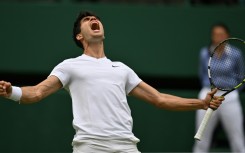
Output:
(95, 26)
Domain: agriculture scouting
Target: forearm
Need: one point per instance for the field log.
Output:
(36, 93)
(30, 94)
(167, 101)
(176, 103)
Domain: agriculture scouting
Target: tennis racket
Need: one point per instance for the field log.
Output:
(226, 72)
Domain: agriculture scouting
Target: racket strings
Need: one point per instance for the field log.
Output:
(227, 65)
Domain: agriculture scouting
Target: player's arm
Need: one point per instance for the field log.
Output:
(31, 94)
(170, 102)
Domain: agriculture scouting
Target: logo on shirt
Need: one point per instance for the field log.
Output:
(115, 66)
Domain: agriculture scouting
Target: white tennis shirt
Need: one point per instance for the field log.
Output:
(98, 88)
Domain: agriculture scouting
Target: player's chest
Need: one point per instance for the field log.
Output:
(100, 73)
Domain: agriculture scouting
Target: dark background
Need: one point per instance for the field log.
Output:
(160, 41)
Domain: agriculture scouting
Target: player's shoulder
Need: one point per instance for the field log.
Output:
(119, 64)
(68, 62)
(72, 59)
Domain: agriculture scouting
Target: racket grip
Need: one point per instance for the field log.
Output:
(203, 124)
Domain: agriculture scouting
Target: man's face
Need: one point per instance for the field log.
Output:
(91, 29)
(218, 35)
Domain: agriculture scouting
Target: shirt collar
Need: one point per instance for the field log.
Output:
(90, 58)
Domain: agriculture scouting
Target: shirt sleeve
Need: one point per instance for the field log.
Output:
(61, 71)
(132, 81)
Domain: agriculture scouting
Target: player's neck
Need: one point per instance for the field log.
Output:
(95, 50)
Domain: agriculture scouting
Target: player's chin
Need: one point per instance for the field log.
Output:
(99, 35)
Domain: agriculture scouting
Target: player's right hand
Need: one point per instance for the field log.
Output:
(5, 89)
(213, 101)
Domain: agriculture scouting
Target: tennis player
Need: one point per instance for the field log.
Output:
(99, 88)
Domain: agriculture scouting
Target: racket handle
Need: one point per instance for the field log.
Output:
(203, 125)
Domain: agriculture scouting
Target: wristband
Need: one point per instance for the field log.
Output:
(16, 93)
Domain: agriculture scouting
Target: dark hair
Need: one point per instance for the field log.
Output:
(222, 25)
(77, 24)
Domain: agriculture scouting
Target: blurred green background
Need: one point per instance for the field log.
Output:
(161, 42)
